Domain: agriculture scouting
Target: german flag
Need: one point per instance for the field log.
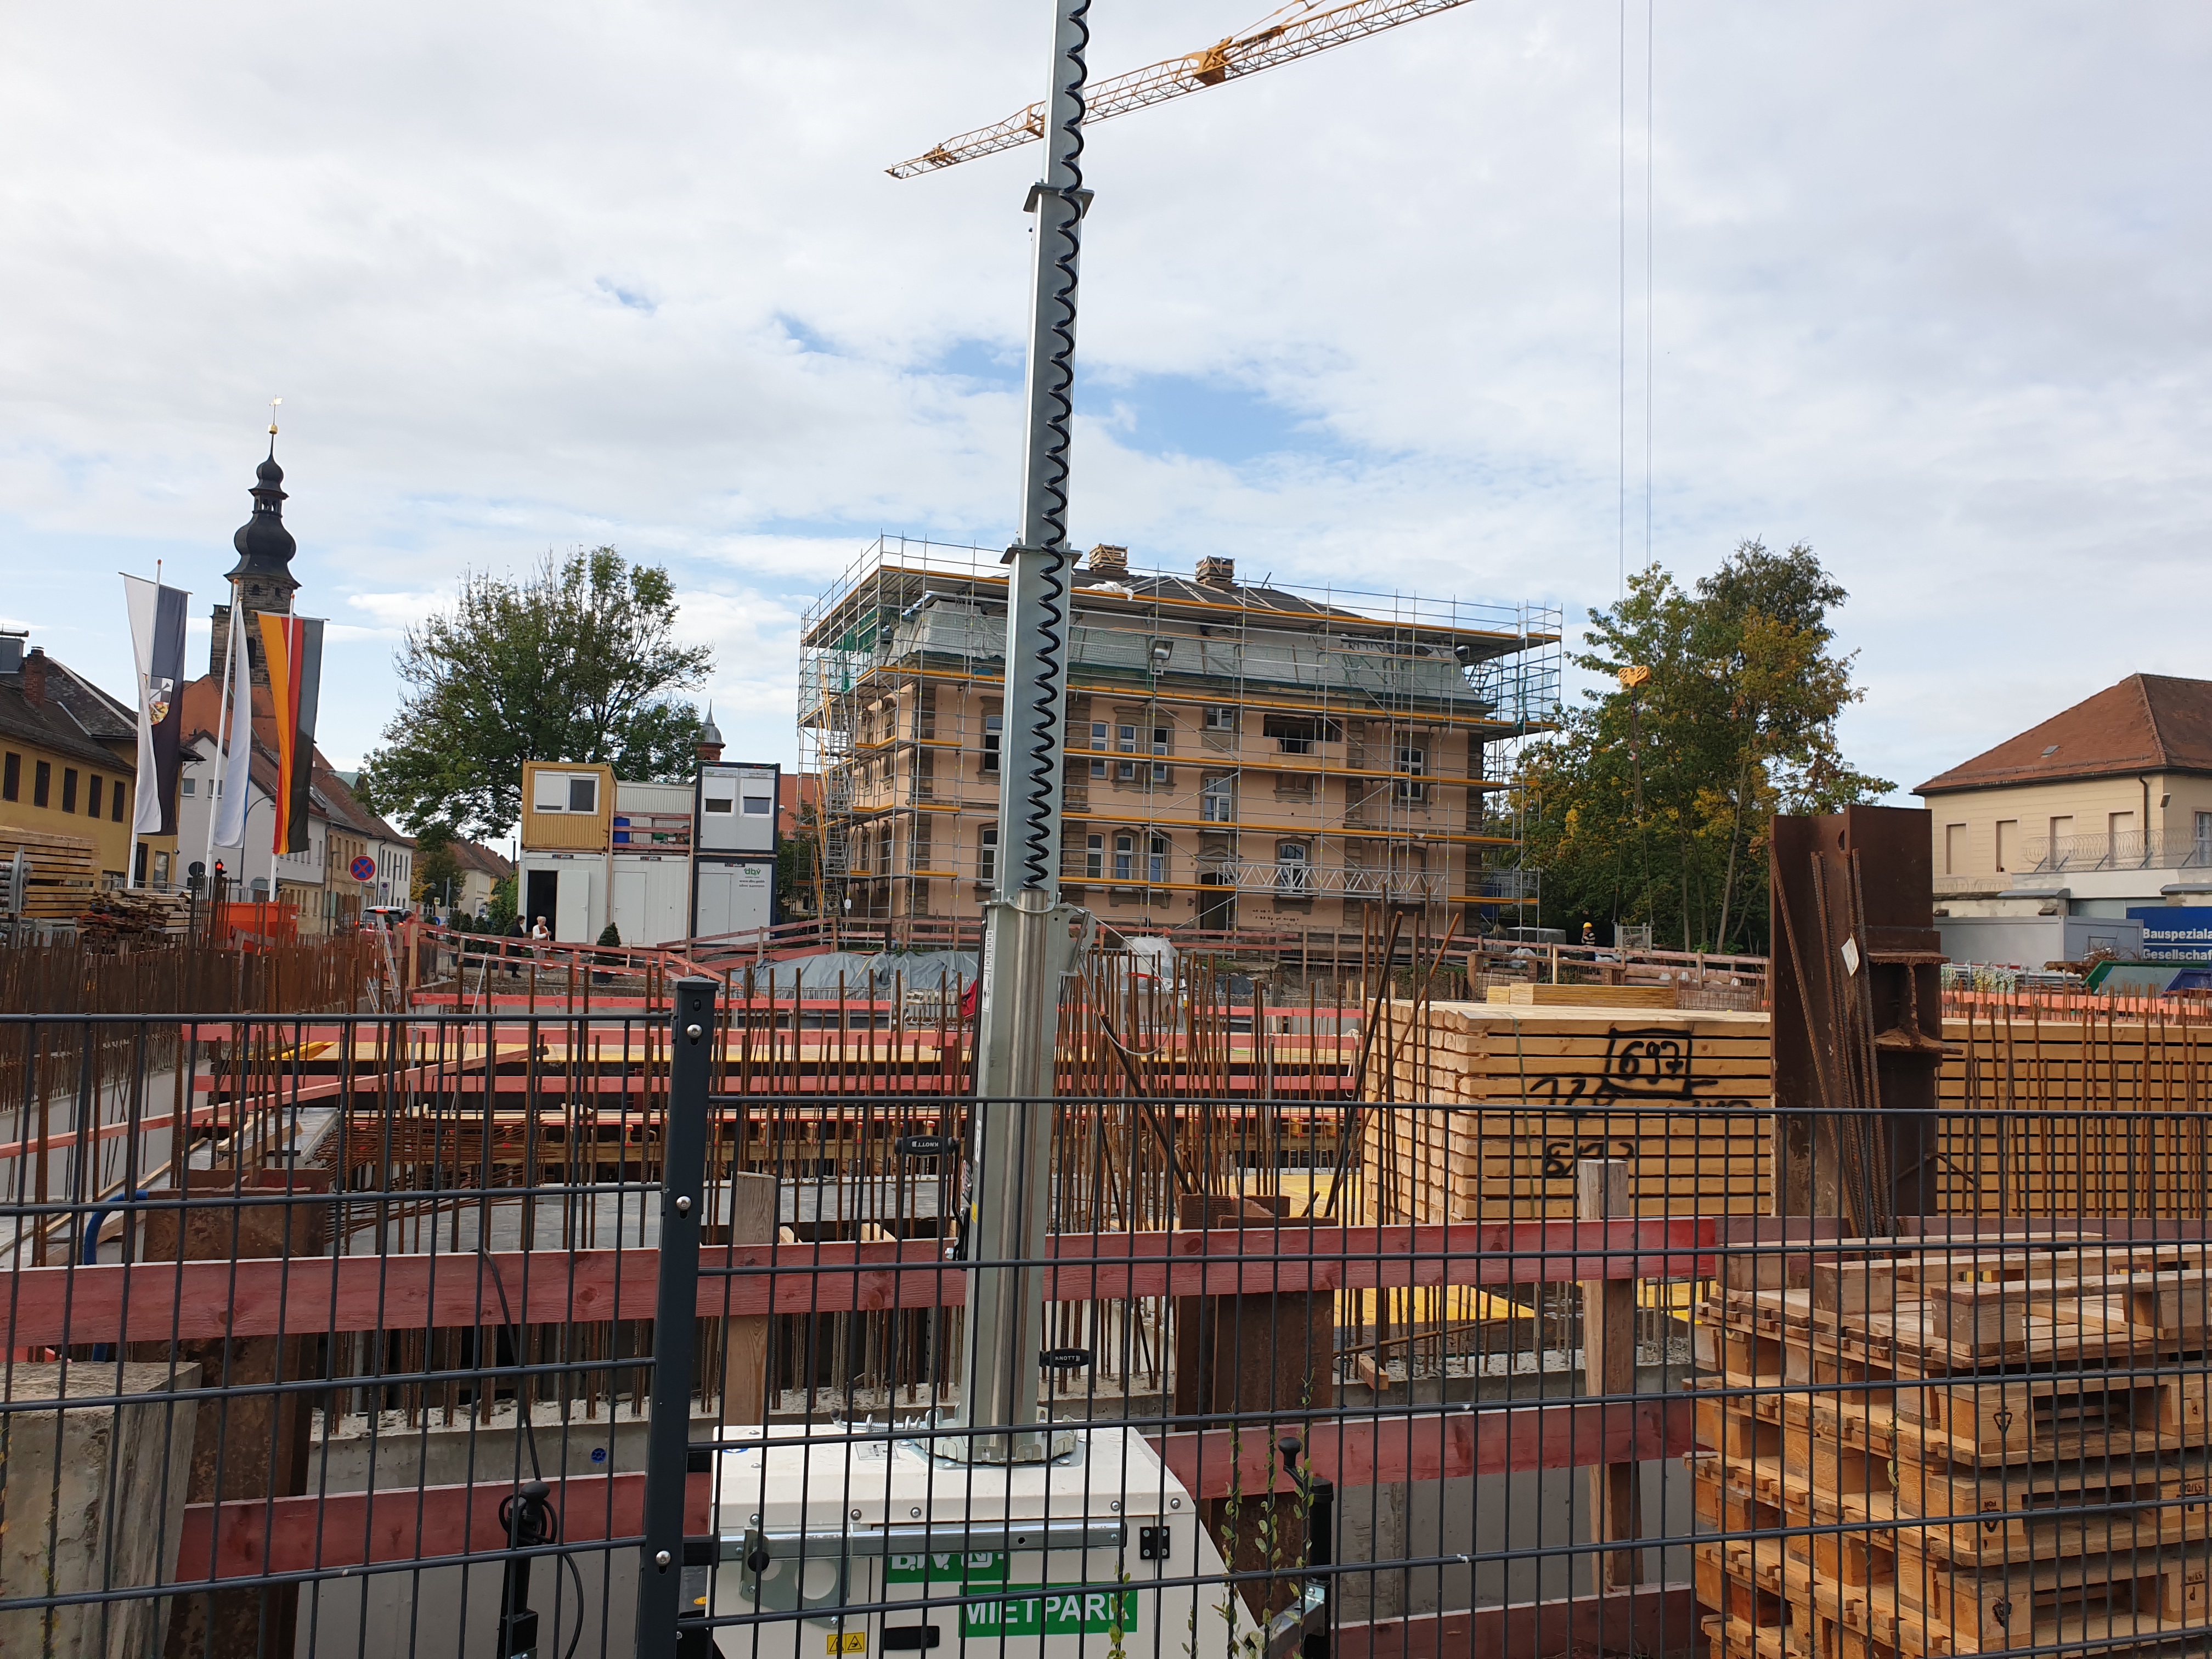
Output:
(294, 647)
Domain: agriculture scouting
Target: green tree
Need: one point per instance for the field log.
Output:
(1717, 709)
(795, 856)
(437, 869)
(578, 662)
(505, 903)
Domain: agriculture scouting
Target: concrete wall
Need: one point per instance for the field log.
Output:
(455, 1610)
(95, 1500)
(2031, 941)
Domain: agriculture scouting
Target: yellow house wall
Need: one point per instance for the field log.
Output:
(112, 839)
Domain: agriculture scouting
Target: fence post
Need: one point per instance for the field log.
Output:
(675, 1323)
(1601, 1194)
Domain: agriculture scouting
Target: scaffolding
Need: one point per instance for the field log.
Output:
(1240, 757)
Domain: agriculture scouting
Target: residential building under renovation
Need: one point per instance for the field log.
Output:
(1238, 754)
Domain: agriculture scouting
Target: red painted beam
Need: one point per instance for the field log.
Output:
(157, 1301)
(1654, 1619)
(247, 1538)
(1440, 1445)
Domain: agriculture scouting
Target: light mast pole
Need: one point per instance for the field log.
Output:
(1030, 938)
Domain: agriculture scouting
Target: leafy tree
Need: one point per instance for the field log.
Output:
(578, 662)
(1718, 708)
(436, 864)
(504, 906)
(795, 857)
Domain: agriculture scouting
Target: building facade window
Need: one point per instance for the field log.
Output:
(11, 777)
(995, 726)
(1293, 874)
(1125, 739)
(1098, 734)
(1157, 865)
(1162, 738)
(1094, 857)
(1097, 767)
(1217, 800)
(1220, 717)
(1125, 856)
(1414, 762)
(42, 784)
(69, 789)
(92, 794)
(986, 853)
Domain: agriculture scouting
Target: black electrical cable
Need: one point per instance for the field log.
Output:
(1038, 854)
(530, 1439)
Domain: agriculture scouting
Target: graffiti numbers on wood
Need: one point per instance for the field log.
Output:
(1642, 1066)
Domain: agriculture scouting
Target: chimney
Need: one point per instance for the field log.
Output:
(35, 678)
(11, 650)
(1108, 561)
(1217, 573)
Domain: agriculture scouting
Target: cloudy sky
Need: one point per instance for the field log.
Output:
(1927, 289)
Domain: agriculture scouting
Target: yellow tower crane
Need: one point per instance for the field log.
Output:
(1298, 30)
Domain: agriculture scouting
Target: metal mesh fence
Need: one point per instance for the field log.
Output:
(389, 1336)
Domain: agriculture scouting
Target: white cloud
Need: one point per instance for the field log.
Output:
(392, 613)
(1926, 295)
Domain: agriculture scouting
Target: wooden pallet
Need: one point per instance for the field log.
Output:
(1962, 1451)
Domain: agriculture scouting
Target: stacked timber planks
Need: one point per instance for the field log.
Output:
(1502, 1101)
(1527, 993)
(2007, 1447)
(64, 872)
(2106, 1116)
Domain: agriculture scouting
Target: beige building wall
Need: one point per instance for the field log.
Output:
(2002, 831)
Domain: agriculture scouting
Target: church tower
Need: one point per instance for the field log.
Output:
(264, 570)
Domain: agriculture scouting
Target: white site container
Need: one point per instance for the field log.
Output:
(816, 1525)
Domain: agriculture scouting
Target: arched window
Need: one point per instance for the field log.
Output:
(1156, 868)
(1293, 874)
(1125, 856)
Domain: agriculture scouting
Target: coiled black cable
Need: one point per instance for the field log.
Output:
(1038, 855)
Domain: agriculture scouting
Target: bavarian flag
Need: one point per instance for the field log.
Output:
(293, 647)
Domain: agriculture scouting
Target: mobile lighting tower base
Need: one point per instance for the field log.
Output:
(998, 1526)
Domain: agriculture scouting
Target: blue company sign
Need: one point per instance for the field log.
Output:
(2175, 932)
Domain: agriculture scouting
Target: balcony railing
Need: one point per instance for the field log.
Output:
(2060, 854)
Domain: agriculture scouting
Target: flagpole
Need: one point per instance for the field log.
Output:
(222, 716)
(131, 862)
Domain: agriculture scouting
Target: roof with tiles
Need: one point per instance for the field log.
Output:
(2147, 723)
